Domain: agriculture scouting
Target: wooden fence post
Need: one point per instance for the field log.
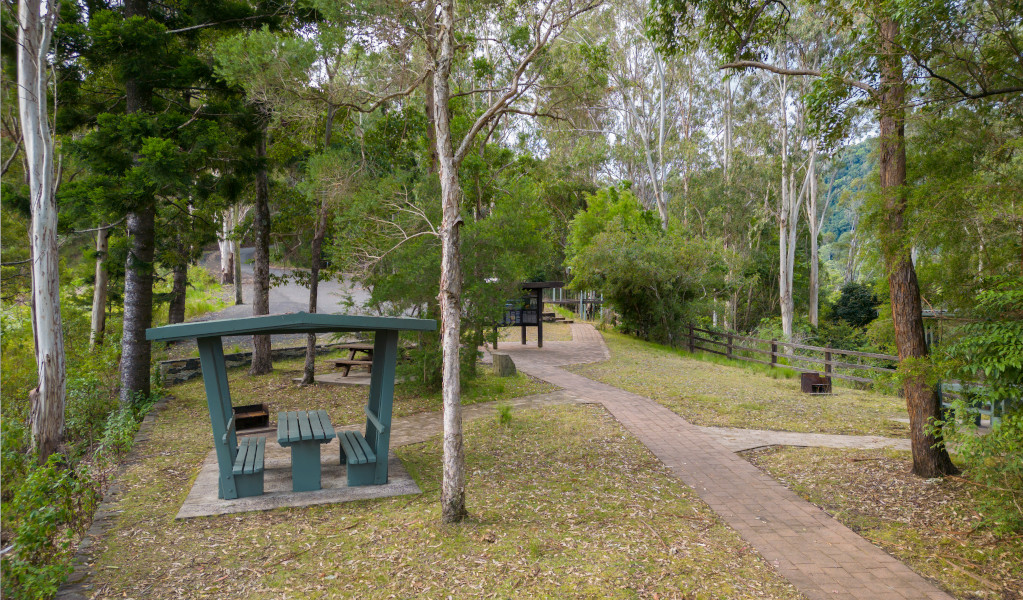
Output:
(692, 340)
(827, 362)
(729, 345)
(774, 352)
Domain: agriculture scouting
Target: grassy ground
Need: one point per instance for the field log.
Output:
(931, 524)
(706, 393)
(564, 504)
(552, 332)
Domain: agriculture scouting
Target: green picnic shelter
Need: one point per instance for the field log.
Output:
(241, 465)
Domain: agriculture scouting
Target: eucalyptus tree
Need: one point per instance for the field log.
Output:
(522, 34)
(36, 22)
(870, 70)
(653, 108)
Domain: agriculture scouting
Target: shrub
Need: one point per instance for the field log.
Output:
(14, 457)
(857, 306)
(51, 509)
(990, 351)
(88, 406)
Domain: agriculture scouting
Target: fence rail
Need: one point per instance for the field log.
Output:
(731, 345)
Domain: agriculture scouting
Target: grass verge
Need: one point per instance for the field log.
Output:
(564, 504)
(707, 393)
(930, 524)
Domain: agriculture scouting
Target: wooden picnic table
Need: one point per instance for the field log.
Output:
(353, 349)
(240, 462)
(304, 431)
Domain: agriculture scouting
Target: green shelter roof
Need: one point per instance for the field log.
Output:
(300, 322)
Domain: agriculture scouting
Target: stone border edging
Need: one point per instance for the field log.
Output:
(76, 586)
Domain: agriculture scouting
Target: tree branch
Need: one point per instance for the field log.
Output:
(984, 93)
(14, 154)
(205, 25)
(752, 64)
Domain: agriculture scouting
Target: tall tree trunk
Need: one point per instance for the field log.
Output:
(99, 289)
(930, 459)
(788, 214)
(309, 372)
(236, 252)
(814, 224)
(46, 401)
(176, 308)
(453, 484)
(226, 259)
(138, 272)
(262, 362)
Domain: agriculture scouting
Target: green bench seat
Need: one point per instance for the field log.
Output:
(248, 466)
(355, 449)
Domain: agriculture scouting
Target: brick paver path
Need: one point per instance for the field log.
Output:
(819, 555)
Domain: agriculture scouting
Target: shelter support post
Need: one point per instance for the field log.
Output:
(218, 399)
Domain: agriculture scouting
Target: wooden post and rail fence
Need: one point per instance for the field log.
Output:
(740, 347)
(832, 360)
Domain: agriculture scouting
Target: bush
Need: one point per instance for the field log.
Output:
(994, 460)
(857, 306)
(87, 408)
(49, 512)
(15, 459)
(989, 352)
(649, 276)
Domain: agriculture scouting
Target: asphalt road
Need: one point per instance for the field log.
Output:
(332, 297)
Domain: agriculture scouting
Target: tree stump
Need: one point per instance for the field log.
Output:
(503, 365)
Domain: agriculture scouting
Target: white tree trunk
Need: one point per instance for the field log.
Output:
(236, 249)
(788, 215)
(815, 227)
(226, 254)
(229, 221)
(47, 400)
(453, 484)
(99, 289)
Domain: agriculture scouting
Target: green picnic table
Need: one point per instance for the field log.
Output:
(240, 462)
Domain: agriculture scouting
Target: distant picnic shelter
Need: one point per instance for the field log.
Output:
(528, 310)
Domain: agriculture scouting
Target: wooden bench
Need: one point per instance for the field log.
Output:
(248, 466)
(304, 431)
(247, 458)
(360, 454)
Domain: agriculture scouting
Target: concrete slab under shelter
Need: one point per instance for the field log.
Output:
(202, 500)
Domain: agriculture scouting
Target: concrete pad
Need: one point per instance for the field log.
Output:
(202, 500)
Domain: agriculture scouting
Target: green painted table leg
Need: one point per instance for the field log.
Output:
(305, 466)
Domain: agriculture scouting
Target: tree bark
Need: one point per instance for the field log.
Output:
(176, 307)
(138, 304)
(46, 401)
(453, 483)
(99, 289)
(930, 459)
(262, 362)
